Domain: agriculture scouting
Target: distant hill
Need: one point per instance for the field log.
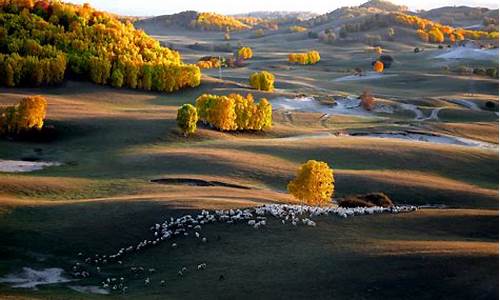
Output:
(279, 15)
(462, 16)
(197, 21)
(384, 6)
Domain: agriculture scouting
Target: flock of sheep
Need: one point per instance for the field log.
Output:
(174, 228)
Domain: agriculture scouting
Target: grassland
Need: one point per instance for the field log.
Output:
(112, 142)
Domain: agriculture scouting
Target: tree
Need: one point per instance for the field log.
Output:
(377, 50)
(117, 78)
(435, 35)
(378, 66)
(245, 53)
(29, 113)
(263, 81)
(314, 183)
(187, 117)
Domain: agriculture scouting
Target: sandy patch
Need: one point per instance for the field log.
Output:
(350, 105)
(466, 103)
(31, 278)
(437, 139)
(90, 289)
(19, 166)
(469, 53)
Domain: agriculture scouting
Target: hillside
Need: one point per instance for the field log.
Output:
(204, 21)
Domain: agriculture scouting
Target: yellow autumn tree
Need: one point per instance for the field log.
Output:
(187, 117)
(263, 81)
(435, 35)
(245, 53)
(378, 66)
(377, 50)
(422, 35)
(314, 183)
(28, 114)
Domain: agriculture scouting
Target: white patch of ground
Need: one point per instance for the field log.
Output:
(90, 289)
(419, 115)
(469, 104)
(31, 278)
(469, 53)
(368, 76)
(24, 166)
(346, 106)
(437, 139)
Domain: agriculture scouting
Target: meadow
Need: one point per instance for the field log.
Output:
(112, 142)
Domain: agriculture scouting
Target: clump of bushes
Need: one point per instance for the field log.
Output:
(308, 58)
(208, 62)
(297, 29)
(490, 105)
(366, 200)
(187, 117)
(28, 114)
(262, 81)
(314, 183)
(234, 112)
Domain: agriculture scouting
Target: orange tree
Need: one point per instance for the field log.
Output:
(378, 66)
(314, 183)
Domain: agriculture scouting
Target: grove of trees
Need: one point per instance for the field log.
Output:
(212, 21)
(262, 81)
(314, 183)
(42, 42)
(308, 58)
(234, 112)
(28, 114)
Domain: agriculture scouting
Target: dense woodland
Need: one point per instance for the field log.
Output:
(43, 42)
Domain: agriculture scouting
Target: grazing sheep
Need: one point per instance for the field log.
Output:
(202, 266)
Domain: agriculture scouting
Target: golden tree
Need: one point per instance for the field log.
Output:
(314, 183)
(263, 81)
(187, 117)
(378, 66)
(245, 53)
(29, 113)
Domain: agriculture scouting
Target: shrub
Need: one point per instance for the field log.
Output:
(259, 33)
(314, 183)
(208, 62)
(378, 66)
(245, 53)
(367, 100)
(28, 114)
(492, 72)
(479, 71)
(263, 81)
(308, 58)
(463, 70)
(297, 29)
(312, 35)
(367, 200)
(234, 112)
(187, 117)
(377, 50)
(352, 202)
(490, 105)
